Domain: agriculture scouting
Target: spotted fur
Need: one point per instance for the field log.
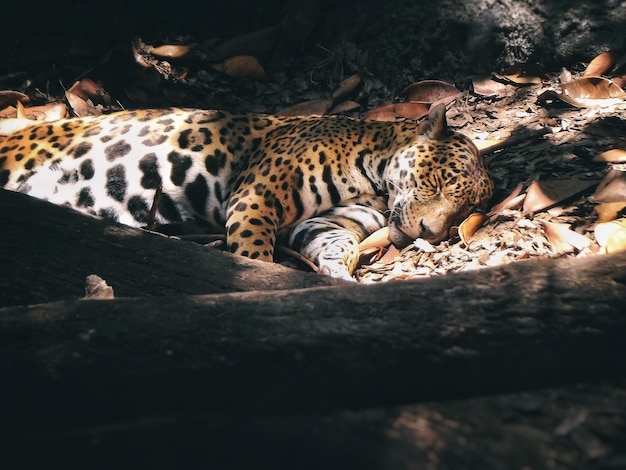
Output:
(330, 180)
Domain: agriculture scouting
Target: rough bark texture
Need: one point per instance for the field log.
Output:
(133, 372)
(55, 248)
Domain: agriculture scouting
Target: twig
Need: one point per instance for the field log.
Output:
(155, 206)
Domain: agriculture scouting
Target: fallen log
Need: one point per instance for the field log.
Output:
(524, 325)
(575, 427)
(49, 251)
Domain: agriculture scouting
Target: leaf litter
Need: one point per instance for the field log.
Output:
(546, 154)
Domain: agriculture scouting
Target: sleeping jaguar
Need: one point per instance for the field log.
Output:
(326, 181)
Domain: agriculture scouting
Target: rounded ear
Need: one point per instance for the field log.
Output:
(436, 126)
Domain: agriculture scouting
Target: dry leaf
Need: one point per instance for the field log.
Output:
(377, 239)
(620, 81)
(424, 245)
(611, 156)
(522, 74)
(430, 91)
(390, 112)
(602, 63)
(543, 194)
(170, 51)
(512, 201)
(612, 188)
(562, 238)
(616, 241)
(608, 211)
(391, 254)
(11, 98)
(97, 288)
(344, 107)
(84, 97)
(308, 108)
(604, 230)
(346, 87)
(586, 92)
(469, 226)
(242, 66)
(488, 87)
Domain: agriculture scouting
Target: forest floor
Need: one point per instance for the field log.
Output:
(303, 51)
(306, 50)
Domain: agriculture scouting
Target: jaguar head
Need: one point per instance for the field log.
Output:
(435, 183)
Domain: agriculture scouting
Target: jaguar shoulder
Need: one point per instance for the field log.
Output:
(329, 180)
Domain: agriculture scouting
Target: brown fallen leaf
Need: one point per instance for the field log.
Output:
(602, 63)
(377, 239)
(346, 87)
(612, 188)
(344, 107)
(390, 112)
(242, 66)
(562, 238)
(307, 108)
(611, 156)
(430, 92)
(11, 98)
(522, 74)
(543, 194)
(512, 201)
(470, 225)
(586, 92)
(86, 96)
(487, 87)
(608, 211)
(391, 254)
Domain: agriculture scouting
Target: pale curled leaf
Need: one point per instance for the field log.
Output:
(97, 288)
(604, 230)
(170, 51)
(377, 239)
(470, 225)
(562, 238)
